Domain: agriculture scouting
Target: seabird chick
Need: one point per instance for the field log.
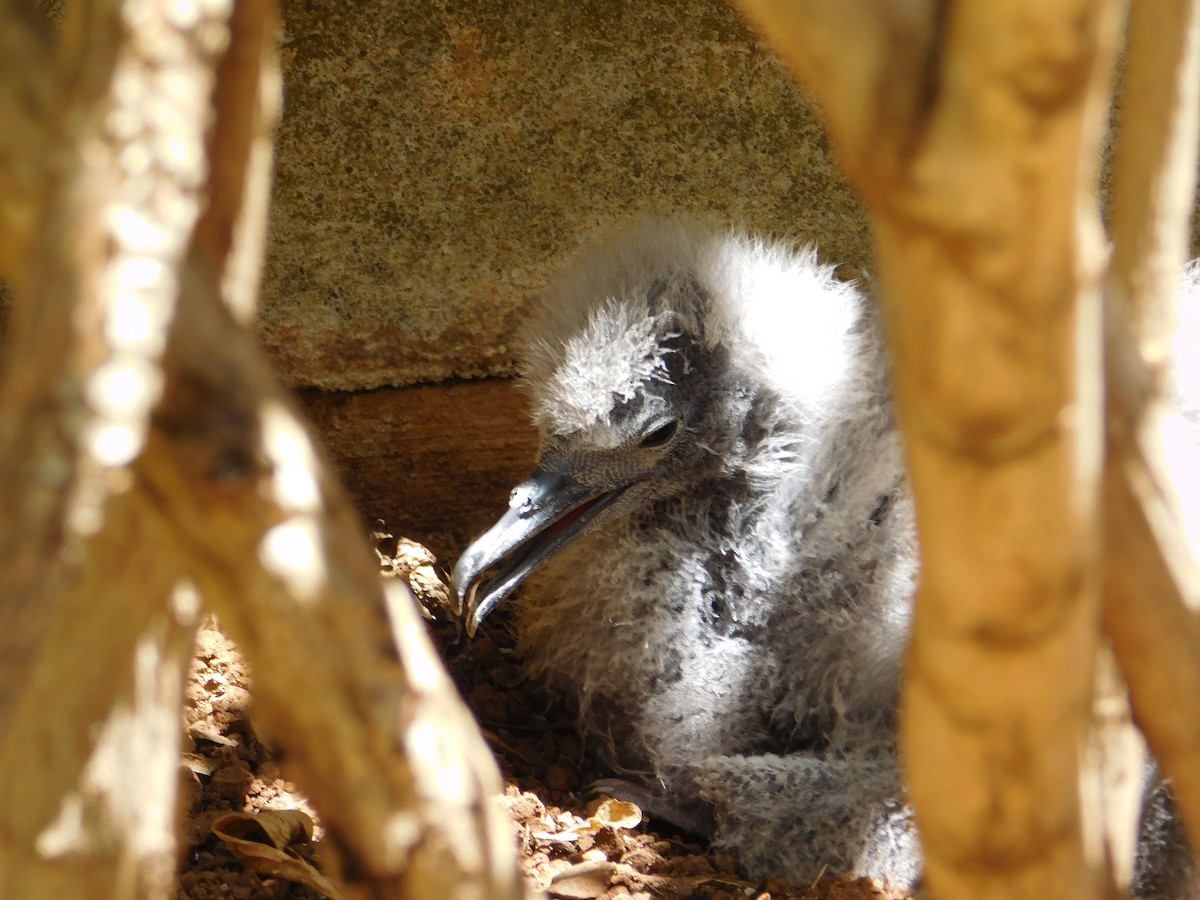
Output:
(717, 543)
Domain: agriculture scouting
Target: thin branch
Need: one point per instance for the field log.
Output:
(278, 552)
(379, 740)
(973, 140)
(231, 232)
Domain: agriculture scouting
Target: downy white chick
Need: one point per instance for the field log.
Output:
(718, 543)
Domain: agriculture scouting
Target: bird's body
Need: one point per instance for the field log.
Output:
(762, 610)
(719, 542)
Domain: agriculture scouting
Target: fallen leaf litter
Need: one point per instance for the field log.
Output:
(571, 846)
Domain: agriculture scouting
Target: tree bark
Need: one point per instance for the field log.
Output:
(93, 653)
(972, 131)
(149, 448)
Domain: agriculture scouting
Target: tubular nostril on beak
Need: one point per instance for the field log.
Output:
(545, 513)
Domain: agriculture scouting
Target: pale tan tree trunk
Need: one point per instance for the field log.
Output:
(153, 467)
(972, 131)
(93, 657)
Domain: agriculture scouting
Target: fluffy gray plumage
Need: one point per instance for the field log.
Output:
(719, 543)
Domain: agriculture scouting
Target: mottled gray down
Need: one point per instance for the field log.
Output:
(732, 621)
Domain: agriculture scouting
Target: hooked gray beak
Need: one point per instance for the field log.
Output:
(544, 514)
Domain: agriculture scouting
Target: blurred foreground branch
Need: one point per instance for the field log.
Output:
(972, 130)
(154, 466)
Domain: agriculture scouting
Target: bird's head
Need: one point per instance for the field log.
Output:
(629, 364)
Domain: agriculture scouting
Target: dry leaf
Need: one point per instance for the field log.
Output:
(618, 814)
(262, 844)
(609, 814)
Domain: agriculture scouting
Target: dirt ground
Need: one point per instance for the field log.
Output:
(572, 845)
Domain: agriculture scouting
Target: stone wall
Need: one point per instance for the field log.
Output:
(437, 159)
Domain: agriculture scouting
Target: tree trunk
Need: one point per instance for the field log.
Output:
(148, 448)
(972, 130)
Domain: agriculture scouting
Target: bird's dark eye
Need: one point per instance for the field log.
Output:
(661, 434)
